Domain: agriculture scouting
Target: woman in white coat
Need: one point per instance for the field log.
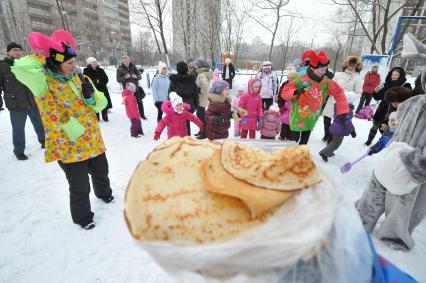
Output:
(350, 80)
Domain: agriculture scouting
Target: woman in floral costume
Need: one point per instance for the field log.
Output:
(68, 104)
(308, 94)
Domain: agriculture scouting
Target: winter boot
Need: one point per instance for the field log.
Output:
(89, 226)
(324, 157)
(21, 156)
(108, 199)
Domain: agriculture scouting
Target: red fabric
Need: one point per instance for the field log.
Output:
(131, 105)
(338, 93)
(176, 123)
(314, 58)
(218, 109)
(371, 81)
(252, 134)
(252, 103)
(288, 91)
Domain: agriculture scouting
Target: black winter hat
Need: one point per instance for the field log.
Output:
(182, 68)
(13, 45)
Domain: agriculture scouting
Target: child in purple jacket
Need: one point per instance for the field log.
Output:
(342, 126)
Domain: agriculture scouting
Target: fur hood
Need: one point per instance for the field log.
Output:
(353, 60)
(168, 109)
(218, 98)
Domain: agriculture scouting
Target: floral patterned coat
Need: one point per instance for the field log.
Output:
(59, 102)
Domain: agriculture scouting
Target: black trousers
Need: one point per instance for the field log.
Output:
(158, 104)
(191, 110)
(140, 106)
(304, 137)
(77, 174)
(364, 101)
(201, 114)
(266, 103)
(327, 124)
(373, 131)
(104, 115)
(287, 133)
(332, 146)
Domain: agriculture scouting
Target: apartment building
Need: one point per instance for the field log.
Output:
(101, 28)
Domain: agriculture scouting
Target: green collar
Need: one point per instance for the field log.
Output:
(58, 76)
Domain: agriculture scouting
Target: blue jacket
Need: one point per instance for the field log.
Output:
(383, 141)
(160, 87)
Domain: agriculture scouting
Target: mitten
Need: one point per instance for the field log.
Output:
(299, 91)
(372, 150)
(86, 88)
(157, 136)
(353, 134)
(244, 120)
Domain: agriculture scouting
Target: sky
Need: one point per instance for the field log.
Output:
(315, 24)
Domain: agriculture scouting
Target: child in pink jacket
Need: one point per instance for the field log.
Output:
(251, 101)
(271, 123)
(176, 116)
(235, 102)
(132, 111)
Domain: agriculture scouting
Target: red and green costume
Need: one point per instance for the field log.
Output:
(306, 109)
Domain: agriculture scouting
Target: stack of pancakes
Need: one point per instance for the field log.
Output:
(189, 191)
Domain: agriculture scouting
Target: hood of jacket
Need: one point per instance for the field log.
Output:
(167, 108)
(400, 81)
(272, 116)
(219, 98)
(250, 83)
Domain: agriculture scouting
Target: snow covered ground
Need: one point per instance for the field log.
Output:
(39, 243)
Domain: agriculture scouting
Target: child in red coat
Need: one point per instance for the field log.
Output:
(132, 111)
(176, 116)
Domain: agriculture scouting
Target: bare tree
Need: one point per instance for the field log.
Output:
(154, 12)
(210, 34)
(185, 27)
(288, 41)
(234, 20)
(269, 8)
(374, 16)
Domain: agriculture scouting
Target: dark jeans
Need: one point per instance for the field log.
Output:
(158, 104)
(201, 114)
(327, 124)
(364, 101)
(77, 174)
(266, 103)
(135, 127)
(18, 119)
(304, 137)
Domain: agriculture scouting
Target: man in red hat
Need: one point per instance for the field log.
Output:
(308, 93)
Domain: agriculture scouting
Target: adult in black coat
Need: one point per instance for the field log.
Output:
(228, 72)
(184, 85)
(395, 77)
(418, 89)
(100, 80)
(20, 102)
(128, 73)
